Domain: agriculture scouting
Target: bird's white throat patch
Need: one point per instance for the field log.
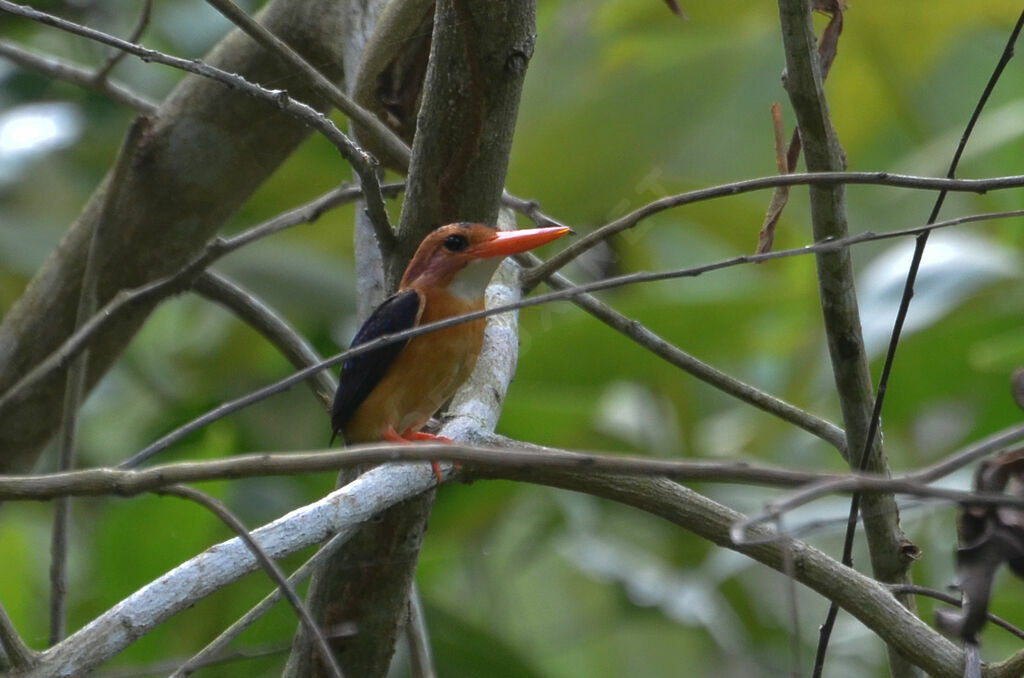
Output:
(470, 283)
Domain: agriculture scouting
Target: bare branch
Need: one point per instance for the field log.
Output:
(340, 512)
(136, 33)
(13, 650)
(76, 377)
(273, 327)
(821, 179)
(494, 452)
(214, 648)
(266, 562)
(59, 69)
(378, 217)
(128, 300)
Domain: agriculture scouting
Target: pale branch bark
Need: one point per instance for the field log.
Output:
(371, 287)
(823, 179)
(182, 280)
(272, 326)
(342, 511)
(268, 564)
(887, 545)
(203, 153)
(59, 69)
(216, 647)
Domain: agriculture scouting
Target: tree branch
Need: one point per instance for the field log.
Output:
(887, 545)
(59, 69)
(273, 327)
(194, 168)
(267, 563)
(823, 179)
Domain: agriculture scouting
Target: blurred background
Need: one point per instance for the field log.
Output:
(623, 104)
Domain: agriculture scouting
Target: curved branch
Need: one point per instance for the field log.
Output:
(821, 179)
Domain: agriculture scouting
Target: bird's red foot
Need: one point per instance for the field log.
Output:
(409, 436)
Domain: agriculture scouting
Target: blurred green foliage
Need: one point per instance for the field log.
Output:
(623, 104)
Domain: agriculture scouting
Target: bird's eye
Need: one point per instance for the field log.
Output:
(456, 243)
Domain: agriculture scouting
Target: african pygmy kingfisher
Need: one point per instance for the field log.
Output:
(391, 392)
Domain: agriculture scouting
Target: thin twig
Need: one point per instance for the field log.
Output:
(58, 69)
(74, 389)
(671, 353)
(476, 459)
(387, 138)
(19, 656)
(269, 565)
(421, 658)
(735, 188)
(136, 33)
(362, 163)
(215, 647)
(272, 326)
(395, 146)
(914, 589)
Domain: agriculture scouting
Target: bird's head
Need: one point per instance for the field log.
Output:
(462, 257)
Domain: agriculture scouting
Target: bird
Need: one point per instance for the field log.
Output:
(391, 392)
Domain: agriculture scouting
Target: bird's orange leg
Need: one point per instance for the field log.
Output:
(409, 436)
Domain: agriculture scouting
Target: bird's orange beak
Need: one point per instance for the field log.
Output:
(505, 243)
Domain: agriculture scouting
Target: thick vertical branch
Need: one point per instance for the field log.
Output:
(888, 546)
(478, 61)
(204, 152)
(479, 54)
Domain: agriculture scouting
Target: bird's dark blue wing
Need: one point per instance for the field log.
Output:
(359, 375)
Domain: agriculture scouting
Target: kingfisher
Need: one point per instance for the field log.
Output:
(391, 392)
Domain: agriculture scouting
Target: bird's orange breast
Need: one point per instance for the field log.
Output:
(425, 375)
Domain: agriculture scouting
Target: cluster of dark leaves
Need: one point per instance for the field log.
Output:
(989, 535)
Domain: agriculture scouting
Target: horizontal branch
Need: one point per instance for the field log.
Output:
(343, 510)
(811, 178)
(478, 459)
(914, 479)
